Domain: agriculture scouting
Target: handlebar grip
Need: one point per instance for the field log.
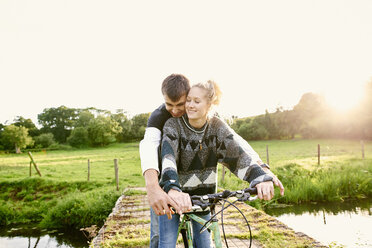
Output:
(252, 191)
(199, 203)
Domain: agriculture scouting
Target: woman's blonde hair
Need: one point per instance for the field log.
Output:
(213, 91)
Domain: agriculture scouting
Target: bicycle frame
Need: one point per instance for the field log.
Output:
(213, 227)
(207, 203)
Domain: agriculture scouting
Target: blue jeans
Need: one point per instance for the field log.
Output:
(168, 232)
(154, 226)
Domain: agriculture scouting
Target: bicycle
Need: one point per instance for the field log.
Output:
(208, 203)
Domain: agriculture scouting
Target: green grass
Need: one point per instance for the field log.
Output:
(342, 173)
(64, 197)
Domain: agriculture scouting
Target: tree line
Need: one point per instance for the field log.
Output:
(90, 127)
(312, 117)
(79, 128)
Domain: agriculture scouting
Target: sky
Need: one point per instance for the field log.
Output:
(115, 54)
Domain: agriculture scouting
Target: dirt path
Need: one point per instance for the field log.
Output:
(129, 226)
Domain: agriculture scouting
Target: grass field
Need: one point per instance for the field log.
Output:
(63, 197)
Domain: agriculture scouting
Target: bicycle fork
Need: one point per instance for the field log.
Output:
(213, 226)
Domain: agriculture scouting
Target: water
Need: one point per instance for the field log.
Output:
(347, 224)
(29, 236)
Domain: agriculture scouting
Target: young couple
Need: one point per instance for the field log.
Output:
(191, 145)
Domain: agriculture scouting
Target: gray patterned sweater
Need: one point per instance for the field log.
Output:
(189, 156)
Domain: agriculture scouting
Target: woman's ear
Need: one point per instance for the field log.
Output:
(209, 106)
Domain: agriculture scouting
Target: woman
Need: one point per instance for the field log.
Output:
(191, 147)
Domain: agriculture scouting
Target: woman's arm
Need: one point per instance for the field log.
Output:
(233, 152)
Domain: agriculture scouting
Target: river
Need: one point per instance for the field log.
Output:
(347, 224)
(32, 237)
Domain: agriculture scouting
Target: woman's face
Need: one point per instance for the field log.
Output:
(197, 105)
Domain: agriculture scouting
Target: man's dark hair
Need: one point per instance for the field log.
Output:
(175, 86)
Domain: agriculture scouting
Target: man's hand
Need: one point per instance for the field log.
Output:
(158, 199)
(183, 200)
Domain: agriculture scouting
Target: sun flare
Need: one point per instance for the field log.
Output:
(344, 99)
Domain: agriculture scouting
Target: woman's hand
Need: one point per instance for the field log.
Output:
(183, 200)
(276, 180)
(265, 190)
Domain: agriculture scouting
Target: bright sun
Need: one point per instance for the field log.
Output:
(343, 99)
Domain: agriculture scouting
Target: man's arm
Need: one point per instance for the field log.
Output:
(157, 198)
(149, 150)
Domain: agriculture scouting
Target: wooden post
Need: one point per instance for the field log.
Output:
(362, 143)
(30, 169)
(116, 173)
(318, 154)
(88, 170)
(267, 155)
(32, 161)
(223, 173)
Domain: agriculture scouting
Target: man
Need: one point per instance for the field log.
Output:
(174, 89)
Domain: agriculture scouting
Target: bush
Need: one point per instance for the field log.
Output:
(78, 137)
(252, 131)
(6, 214)
(57, 146)
(44, 140)
(81, 210)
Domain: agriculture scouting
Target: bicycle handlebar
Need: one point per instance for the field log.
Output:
(201, 203)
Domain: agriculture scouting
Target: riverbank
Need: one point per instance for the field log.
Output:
(337, 180)
(129, 226)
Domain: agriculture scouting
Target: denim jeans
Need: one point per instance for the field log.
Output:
(154, 226)
(168, 232)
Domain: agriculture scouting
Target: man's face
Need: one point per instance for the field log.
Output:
(176, 109)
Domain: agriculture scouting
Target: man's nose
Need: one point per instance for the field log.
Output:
(175, 111)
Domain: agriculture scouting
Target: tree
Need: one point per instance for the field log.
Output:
(254, 130)
(78, 137)
(83, 119)
(33, 131)
(1, 130)
(125, 123)
(139, 123)
(103, 130)
(16, 137)
(310, 109)
(310, 106)
(44, 140)
(58, 121)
